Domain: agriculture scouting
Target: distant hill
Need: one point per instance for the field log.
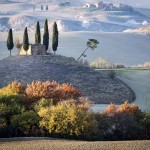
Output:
(145, 30)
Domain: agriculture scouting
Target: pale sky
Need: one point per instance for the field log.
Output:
(134, 3)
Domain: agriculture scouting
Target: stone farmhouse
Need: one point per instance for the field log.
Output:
(109, 6)
(34, 49)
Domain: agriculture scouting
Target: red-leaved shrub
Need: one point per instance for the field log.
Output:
(51, 90)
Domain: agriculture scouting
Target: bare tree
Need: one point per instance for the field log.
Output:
(18, 44)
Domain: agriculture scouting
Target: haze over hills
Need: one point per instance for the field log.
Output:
(72, 18)
(134, 3)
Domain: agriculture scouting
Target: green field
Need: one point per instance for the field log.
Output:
(139, 82)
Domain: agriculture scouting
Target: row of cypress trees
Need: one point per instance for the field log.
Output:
(55, 33)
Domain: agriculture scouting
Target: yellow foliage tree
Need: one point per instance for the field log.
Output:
(67, 119)
(13, 88)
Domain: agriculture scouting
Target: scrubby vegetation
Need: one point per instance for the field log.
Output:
(103, 63)
(51, 109)
(99, 63)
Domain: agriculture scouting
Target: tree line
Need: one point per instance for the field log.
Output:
(25, 44)
(62, 111)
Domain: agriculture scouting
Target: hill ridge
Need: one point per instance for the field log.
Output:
(98, 87)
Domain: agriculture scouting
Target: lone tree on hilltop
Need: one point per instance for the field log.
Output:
(37, 34)
(92, 44)
(25, 40)
(10, 43)
(46, 35)
(55, 37)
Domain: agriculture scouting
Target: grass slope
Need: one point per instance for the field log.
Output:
(97, 86)
(139, 81)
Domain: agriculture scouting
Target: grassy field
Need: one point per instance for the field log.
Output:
(74, 145)
(139, 82)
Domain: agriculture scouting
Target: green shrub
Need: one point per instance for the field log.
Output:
(26, 123)
(146, 124)
(112, 74)
(10, 105)
(43, 103)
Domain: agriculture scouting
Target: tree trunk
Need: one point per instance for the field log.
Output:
(10, 53)
(54, 52)
(83, 53)
(26, 53)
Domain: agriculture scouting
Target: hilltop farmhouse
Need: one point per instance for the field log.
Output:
(34, 49)
(109, 6)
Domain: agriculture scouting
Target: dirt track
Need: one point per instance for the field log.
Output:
(74, 145)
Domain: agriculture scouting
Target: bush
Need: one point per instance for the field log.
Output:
(146, 124)
(112, 74)
(10, 105)
(26, 123)
(51, 90)
(13, 88)
(69, 92)
(124, 122)
(66, 119)
(49, 115)
(43, 103)
(100, 63)
(118, 66)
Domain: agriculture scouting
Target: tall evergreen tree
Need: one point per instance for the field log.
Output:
(38, 34)
(41, 7)
(10, 43)
(46, 35)
(47, 7)
(55, 37)
(25, 40)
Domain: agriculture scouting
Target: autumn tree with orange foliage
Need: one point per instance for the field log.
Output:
(51, 90)
(47, 90)
(125, 121)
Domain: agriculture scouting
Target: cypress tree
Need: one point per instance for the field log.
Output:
(25, 40)
(41, 7)
(47, 7)
(38, 34)
(55, 37)
(46, 35)
(10, 43)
